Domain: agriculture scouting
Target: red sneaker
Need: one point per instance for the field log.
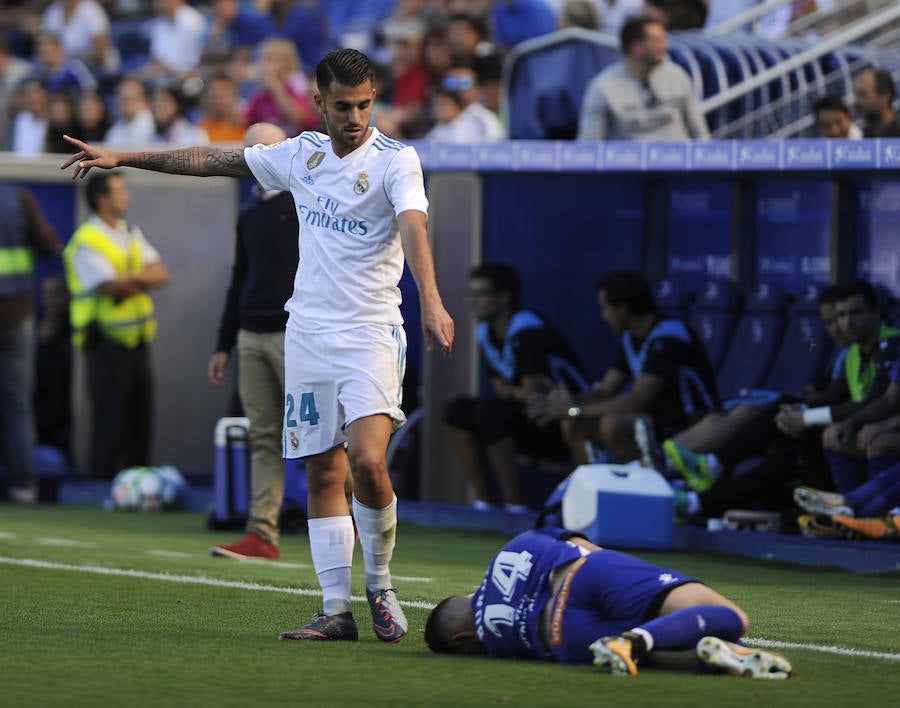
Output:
(250, 546)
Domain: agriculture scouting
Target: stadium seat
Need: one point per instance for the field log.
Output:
(132, 41)
(756, 339)
(672, 298)
(544, 81)
(713, 317)
(805, 347)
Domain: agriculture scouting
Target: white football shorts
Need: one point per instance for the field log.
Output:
(334, 378)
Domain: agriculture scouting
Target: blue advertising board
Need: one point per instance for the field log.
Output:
(793, 231)
(699, 230)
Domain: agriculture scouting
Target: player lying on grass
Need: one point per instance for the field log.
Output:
(550, 594)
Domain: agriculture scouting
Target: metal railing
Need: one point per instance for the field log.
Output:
(773, 117)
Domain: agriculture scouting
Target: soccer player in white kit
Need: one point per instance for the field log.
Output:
(345, 349)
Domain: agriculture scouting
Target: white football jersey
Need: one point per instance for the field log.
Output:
(351, 258)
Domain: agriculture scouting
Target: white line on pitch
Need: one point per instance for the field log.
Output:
(169, 554)
(66, 542)
(185, 579)
(823, 648)
(4, 535)
(239, 585)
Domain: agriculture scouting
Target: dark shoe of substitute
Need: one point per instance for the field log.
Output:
(325, 628)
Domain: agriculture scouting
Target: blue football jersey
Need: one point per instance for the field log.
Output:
(508, 604)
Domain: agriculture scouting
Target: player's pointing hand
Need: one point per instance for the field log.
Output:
(88, 157)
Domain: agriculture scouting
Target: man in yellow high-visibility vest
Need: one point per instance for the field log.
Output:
(110, 266)
(24, 233)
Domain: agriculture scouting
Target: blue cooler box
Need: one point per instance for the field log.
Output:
(232, 488)
(623, 506)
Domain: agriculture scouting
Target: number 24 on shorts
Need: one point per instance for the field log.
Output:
(307, 412)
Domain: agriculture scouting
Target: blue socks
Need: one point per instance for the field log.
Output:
(684, 628)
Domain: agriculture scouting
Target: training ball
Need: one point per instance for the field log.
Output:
(147, 488)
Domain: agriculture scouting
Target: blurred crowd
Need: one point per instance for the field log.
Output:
(177, 72)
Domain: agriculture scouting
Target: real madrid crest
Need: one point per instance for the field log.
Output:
(315, 160)
(362, 183)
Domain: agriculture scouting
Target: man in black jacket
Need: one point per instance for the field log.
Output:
(262, 277)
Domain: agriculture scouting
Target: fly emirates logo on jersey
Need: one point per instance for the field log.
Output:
(327, 214)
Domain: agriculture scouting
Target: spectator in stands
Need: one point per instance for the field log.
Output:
(410, 78)
(445, 109)
(254, 319)
(864, 454)
(305, 24)
(234, 30)
(579, 13)
(24, 231)
(169, 108)
(644, 96)
(221, 112)
(283, 95)
(29, 127)
(57, 70)
(467, 36)
(13, 71)
(436, 55)
(84, 30)
(53, 368)
(110, 267)
(833, 119)
(60, 121)
(613, 13)
(874, 93)
(176, 33)
(91, 116)
(475, 123)
(515, 21)
(661, 374)
(523, 355)
(134, 120)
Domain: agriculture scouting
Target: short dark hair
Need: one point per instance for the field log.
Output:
(629, 288)
(437, 637)
(827, 296)
(503, 278)
(634, 30)
(97, 186)
(830, 102)
(884, 82)
(475, 22)
(851, 288)
(349, 67)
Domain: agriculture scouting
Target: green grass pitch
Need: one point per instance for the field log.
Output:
(115, 609)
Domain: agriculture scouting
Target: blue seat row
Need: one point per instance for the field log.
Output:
(767, 339)
(545, 79)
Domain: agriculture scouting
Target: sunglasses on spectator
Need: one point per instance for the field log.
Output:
(456, 83)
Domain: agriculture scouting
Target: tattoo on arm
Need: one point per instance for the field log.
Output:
(196, 161)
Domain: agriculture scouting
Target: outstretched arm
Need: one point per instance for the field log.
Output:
(206, 161)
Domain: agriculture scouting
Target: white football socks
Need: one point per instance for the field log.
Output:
(331, 543)
(377, 535)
